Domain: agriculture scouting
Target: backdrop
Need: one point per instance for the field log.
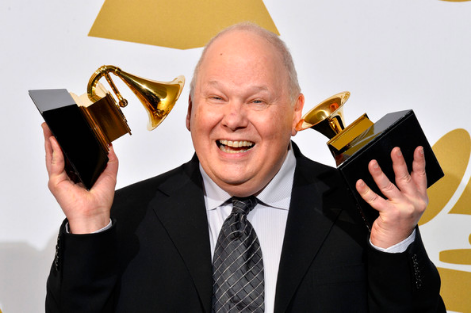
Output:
(391, 55)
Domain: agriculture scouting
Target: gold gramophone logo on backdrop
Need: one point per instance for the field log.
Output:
(453, 151)
(180, 24)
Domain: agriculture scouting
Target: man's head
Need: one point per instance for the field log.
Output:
(272, 38)
(244, 104)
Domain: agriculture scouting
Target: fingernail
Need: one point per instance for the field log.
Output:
(421, 150)
(375, 164)
(399, 152)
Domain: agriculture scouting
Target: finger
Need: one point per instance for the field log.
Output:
(112, 155)
(57, 159)
(113, 163)
(419, 175)
(46, 130)
(47, 146)
(370, 197)
(402, 176)
(387, 188)
(111, 170)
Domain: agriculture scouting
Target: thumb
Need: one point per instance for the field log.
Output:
(111, 171)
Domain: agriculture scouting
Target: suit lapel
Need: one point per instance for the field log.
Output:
(309, 223)
(183, 214)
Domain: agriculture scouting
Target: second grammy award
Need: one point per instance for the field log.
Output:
(355, 145)
(85, 126)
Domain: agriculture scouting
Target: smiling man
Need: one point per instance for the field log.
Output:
(249, 224)
(242, 117)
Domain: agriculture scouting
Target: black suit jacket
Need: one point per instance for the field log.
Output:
(156, 257)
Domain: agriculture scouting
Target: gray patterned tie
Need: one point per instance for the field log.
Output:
(238, 264)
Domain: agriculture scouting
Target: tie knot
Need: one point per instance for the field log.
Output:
(243, 205)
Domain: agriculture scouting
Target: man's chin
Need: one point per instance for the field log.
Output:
(240, 187)
(234, 182)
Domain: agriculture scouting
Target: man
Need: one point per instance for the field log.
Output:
(157, 253)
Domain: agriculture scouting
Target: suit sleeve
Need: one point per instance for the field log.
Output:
(403, 282)
(84, 273)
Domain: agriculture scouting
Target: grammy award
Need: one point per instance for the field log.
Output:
(355, 145)
(85, 126)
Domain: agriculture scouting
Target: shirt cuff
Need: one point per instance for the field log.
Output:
(95, 232)
(398, 247)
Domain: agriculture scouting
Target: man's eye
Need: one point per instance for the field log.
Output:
(216, 98)
(258, 104)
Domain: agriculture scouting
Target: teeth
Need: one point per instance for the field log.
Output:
(229, 145)
(236, 144)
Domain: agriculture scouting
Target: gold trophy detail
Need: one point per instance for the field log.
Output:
(355, 145)
(85, 125)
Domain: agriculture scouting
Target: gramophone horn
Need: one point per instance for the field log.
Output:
(158, 98)
(326, 117)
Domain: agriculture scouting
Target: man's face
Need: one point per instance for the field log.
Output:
(240, 117)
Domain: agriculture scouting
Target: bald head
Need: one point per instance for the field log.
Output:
(276, 45)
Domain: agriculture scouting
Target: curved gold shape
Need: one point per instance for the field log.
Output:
(176, 24)
(158, 98)
(326, 117)
(453, 151)
(455, 289)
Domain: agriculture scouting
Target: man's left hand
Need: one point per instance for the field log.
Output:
(405, 202)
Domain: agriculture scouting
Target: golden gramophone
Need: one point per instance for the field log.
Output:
(85, 126)
(355, 145)
(327, 118)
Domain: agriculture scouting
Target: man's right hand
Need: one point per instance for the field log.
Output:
(86, 211)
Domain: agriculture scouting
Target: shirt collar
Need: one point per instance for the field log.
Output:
(276, 194)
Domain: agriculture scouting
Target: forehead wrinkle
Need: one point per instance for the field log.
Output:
(253, 88)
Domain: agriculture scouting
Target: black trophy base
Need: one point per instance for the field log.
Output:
(399, 129)
(85, 157)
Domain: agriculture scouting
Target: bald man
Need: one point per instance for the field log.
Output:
(150, 247)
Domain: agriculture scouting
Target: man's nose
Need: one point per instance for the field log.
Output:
(235, 115)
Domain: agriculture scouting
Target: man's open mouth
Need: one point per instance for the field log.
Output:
(230, 146)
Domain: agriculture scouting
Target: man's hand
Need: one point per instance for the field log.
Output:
(86, 211)
(400, 212)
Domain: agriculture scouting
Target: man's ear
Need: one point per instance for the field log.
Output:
(298, 111)
(188, 114)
